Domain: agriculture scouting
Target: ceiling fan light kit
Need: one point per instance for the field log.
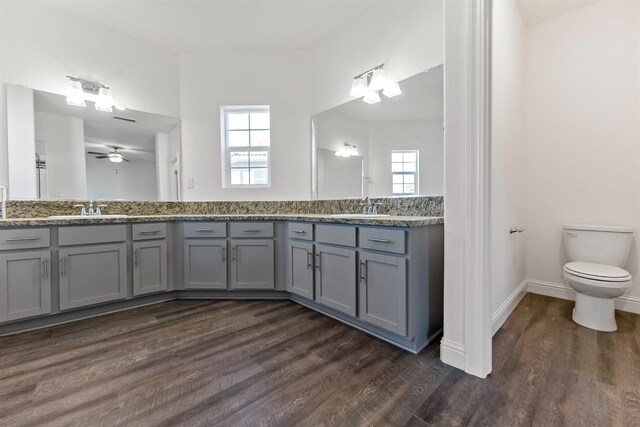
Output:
(113, 156)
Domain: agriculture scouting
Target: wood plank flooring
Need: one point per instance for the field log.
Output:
(275, 363)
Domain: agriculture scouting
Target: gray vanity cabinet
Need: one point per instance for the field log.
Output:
(205, 264)
(300, 268)
(252, 264)
(149, 267)
(383, 291)
(336, 278)
(25, 284)
(92, 274)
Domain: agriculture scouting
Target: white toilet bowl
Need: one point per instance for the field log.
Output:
(596, 286)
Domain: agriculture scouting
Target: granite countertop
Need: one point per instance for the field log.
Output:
(389, 221)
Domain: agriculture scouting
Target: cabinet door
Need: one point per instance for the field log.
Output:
(205, 264)
(383, 291)
(336, 278)
(252, 264)
(92, 274)
(149, 267)
(300, 264)
(25, 284)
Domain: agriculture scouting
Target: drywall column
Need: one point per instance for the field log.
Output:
(21, 143)
(163, 157)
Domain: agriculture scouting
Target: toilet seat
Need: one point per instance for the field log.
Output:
(597, 272)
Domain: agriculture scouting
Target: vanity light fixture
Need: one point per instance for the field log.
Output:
(359, 87)
(347, 151)
(368, 85)
(75, 95)
(81, 90)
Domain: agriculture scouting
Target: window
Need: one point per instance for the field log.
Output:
(246, 137)
(404, 171)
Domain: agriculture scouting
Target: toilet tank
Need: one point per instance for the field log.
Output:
(598, 244)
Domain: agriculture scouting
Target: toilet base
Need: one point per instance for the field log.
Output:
(595, 313)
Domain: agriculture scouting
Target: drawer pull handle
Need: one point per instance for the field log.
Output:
(224, 254)
(252, 230)
(373, 239)
(150, 232)
(299, 231)
(204, 230)
(309, 261)
(22, 239)
(135, 257)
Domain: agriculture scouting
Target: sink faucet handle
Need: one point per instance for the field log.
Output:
(99, 209)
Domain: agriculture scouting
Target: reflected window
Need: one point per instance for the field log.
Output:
(246, 143)
(404, 171)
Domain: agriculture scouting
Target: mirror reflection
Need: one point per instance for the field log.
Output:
(392, 148)
(83, 153)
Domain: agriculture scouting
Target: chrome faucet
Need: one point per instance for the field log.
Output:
(3, 201)
(369, 208)
(90, 210)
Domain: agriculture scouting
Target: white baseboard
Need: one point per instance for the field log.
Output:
(452, 353)
(557, 290)
(504, 311)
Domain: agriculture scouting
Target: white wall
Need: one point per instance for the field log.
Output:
(583, 150)
(426, 136)
(279, 79)
(407, 36)
(508, 145)
(39, 46)
(112, 181)
(63, 138)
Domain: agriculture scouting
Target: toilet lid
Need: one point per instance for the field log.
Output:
(602, 272)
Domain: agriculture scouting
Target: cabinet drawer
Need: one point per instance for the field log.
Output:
(343, 235)
(205, 229)
(381, 239)
(252, 229)
(90, 234)
(24, 238)
(149, 231)
(300, 230)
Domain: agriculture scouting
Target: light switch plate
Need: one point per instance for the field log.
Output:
(190, 182)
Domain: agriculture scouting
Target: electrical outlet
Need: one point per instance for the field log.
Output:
(190, 182)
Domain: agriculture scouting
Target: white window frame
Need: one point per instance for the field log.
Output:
(416, 174)
(226, 150)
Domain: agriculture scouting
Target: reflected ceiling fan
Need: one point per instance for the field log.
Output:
(113, 156)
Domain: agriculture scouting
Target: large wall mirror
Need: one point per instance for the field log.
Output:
(392, 148)
(69, 152)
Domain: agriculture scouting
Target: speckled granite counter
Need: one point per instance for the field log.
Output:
(389, 221)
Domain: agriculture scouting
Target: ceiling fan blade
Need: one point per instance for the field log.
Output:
(95, 152)
(102, 157)
(126, 160)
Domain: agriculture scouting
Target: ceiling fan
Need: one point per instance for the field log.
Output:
(113, 156)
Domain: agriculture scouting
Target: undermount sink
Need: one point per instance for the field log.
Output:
(63, 217)
(359, 216)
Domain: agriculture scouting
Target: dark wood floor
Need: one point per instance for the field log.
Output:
(276, 363)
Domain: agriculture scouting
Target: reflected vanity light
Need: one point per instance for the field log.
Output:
(368, 85)
(347, 151)
(81, 90)
(372, 97)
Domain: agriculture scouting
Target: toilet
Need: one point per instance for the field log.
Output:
(596, 257)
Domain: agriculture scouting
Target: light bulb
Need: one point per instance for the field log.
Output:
(115, 157)
(372, 97)
(359, 87)
(392, 89)
(75, 94)
(378, 80)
